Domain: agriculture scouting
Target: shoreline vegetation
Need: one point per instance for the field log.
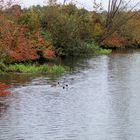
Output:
(33, 69)
(63, 30)
(42, 68)
(29, 68)
(37, 68)
(44, 33)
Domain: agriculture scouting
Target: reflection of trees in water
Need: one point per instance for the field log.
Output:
(119, 52)
(4, 89)
(75, 63)
(120, 94)
(3, 108)
(26, 79)
(17, 79)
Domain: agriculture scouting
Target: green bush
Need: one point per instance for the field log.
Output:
(96, 50)
(68, 27)
(103, 52)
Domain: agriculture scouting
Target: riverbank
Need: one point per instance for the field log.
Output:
(103, 52)
(104, 89)
(32, 68)
(45, 68)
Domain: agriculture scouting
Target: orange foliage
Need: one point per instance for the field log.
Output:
(114, 41)
(18, 44)
(15, 44)
(49, 53)
(44, 47)
(3, 90)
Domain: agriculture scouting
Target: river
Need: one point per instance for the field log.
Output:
(101, 102)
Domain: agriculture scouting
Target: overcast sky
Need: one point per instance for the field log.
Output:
(88, 4)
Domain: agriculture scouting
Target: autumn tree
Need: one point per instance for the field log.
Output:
(118, 14)
(5, 4)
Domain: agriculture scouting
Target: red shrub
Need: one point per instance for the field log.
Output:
(49, 54)
(18, 44)
(3, 90)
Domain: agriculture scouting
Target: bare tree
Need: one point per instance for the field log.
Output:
(7, 3)
(64, 1)
(52, 2)
(115, 19)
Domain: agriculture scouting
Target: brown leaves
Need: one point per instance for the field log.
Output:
(49, 53)
(114, 41)
(18, 44)
(3, 90)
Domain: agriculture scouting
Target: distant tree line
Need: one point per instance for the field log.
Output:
(45, 32)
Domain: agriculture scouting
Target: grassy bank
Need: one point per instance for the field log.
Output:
(91, 49)
(32, 68)
(103, 51)
(96, 50)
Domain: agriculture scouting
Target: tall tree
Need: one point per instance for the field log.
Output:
(119, 13)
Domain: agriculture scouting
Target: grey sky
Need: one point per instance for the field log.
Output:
(41, 2)
(88, 4)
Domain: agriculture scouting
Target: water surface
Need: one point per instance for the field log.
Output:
(102, 102)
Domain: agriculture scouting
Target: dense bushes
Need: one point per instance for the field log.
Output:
(18, 44)
(58, 30)
(68, 27)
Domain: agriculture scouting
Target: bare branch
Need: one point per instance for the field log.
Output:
(115, 7)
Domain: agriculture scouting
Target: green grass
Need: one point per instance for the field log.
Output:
(103, 52)
(2, 68)
(56, 69)
(33, 68)
(96, 50)
(2, 72)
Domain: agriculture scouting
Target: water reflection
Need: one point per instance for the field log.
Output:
(120, 95)
(100, 103)
(3, 108)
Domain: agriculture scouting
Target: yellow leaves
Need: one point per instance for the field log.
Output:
(97, 31)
